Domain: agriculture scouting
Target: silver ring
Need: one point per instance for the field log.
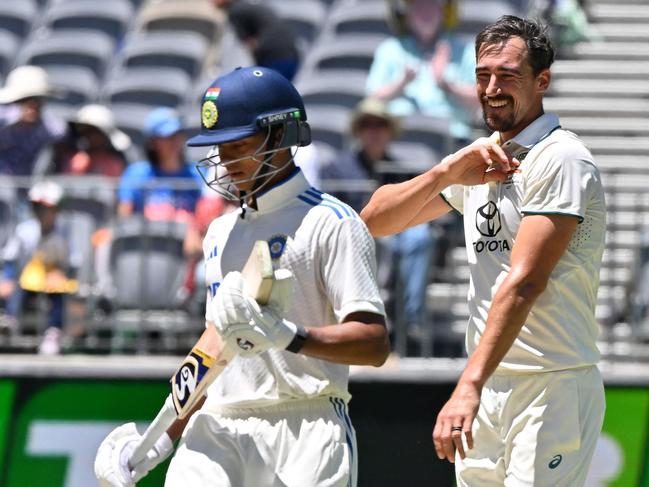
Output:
(456, 428)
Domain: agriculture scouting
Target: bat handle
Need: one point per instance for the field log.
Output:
(158, 426)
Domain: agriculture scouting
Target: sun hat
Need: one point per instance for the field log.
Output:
(100, 117)
(25, 82)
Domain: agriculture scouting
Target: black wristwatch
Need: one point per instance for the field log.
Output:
(298, 340)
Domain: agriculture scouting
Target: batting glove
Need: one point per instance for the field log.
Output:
(248, 327)
(112, 461)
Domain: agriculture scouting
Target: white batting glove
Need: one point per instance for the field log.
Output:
(248, 327)
(155, 456)
(112, 461)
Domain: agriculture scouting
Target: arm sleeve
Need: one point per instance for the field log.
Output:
(385, 68)
(129, 184)
(349, 269)
(559, 183)
(454, 196)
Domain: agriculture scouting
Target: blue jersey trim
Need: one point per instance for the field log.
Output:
(315, 197)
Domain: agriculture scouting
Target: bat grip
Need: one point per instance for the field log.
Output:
(158, 426)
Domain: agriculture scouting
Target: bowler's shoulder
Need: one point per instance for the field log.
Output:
(564, 145)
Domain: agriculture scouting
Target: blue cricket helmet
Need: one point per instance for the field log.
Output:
(243, 102)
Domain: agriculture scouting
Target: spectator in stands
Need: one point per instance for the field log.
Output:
(24, 130)
(38, 260)
(426, 68)
(94, 145)
(209, 207)
(270, 39)
(567, 19)
(373, 128)
(164, 187)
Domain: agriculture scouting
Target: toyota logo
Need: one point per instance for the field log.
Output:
(487, 220)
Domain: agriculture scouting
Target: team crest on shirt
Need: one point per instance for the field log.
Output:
(209, 114)
(277, 244)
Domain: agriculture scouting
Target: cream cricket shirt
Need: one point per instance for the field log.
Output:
(557, 175)
(330, 252)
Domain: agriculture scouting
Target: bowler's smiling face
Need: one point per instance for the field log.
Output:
(510, 93)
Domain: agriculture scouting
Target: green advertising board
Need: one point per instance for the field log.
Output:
(50, 431)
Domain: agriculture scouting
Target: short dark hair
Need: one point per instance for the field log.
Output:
(540, 52)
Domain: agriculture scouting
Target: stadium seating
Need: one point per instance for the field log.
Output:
(136, 54)
(17, 16)
(89, 49)
(148, 86)
(110, 17)
(174, 49)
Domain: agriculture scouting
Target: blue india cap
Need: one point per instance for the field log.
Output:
(162, 122)
(236, 104)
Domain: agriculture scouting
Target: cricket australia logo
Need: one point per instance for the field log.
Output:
(487, 220)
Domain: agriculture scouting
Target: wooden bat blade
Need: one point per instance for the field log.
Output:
(257, 273)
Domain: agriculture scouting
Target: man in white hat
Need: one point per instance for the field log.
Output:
(24, 130)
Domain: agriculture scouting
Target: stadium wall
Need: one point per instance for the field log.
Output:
(53, 416)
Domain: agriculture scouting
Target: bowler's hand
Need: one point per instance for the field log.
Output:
(458, 412)
(481, 162)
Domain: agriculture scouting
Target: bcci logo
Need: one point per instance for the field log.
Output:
(487, 220)
(277, 244)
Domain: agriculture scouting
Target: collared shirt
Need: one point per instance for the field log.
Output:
(558, 176)
(330, 253)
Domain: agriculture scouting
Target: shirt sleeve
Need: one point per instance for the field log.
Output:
(386, 66)
(558, 183)
(454, 196)
(130, 183)
(349, 269)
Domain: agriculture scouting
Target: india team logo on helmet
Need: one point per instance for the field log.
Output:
(243, 103)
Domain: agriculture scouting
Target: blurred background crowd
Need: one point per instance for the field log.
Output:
(102, 211)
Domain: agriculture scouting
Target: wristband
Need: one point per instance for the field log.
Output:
(298, 340)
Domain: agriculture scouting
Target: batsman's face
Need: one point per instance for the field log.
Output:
(510, 94)
(240, 160)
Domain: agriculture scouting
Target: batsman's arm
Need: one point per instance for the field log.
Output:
(200, 368)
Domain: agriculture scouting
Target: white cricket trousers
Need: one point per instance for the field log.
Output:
(535, 430)
(298, 444)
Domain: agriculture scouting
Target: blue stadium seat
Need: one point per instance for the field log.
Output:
(173, 49)
(181, 15)
(349, 52)
(92, 50)
(363, 17)
(112, 17)
(148, 86)
(79, 84)
(329, 124)
(17, 16)
(9, 43)
(333, 87)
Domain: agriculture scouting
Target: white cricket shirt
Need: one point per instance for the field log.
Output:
(330, 252)
(557, 175)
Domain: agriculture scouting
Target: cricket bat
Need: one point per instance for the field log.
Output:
(208, 358)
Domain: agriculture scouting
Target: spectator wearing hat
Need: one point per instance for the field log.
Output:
(24, 129)
(370, 158)
(94, 145)
(426, 68)
(38, 261)
(165, 186)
